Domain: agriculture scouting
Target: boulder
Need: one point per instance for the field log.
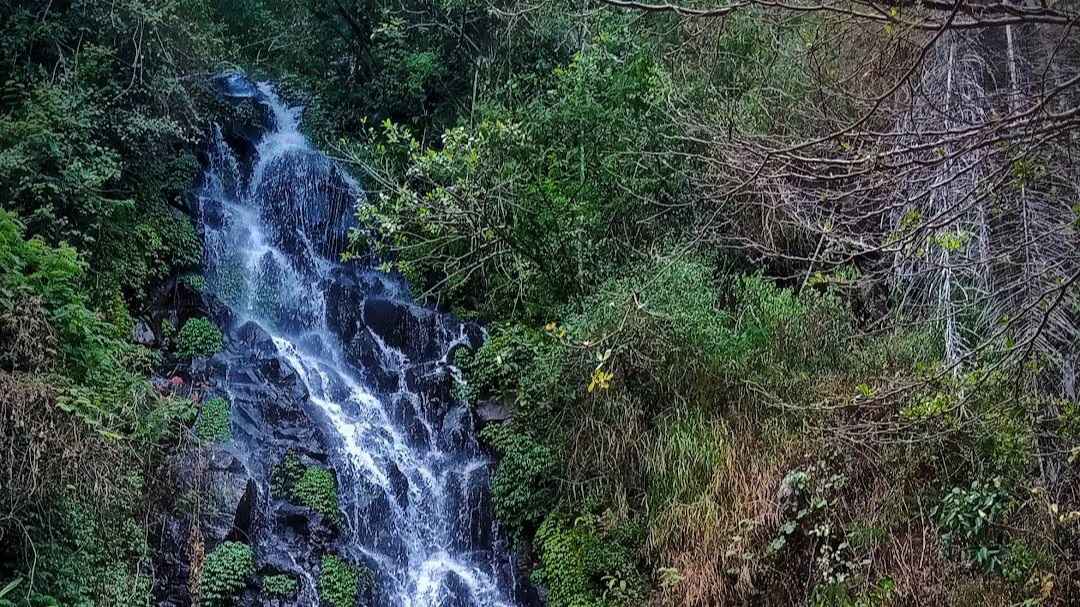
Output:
(492, 412)
(244, 518)
(411, 330)
(143, 335)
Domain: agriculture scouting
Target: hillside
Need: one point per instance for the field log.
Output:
(510, 302)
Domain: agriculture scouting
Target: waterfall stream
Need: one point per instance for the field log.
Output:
(375, 370)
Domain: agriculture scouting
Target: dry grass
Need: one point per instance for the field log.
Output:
(604, 450)
(712, 541)
(45, 452)
(29, 342)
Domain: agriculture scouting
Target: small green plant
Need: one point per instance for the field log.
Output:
(581, 565)
(668, 577)
(213, 422)
(340, 582)
(523, 485)
(317, 489)
(1021, 563)
(195, 282)
(279, 585)
(810, 492)
(838, 594)
(198, 338)
(225, 573)
(311, 486)
(285, 475)
(965, 518)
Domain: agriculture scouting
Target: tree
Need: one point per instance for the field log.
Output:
(939, 159)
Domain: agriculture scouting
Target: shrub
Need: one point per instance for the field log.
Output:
(279, 585)
(662, 323)
(198, 338)
(521, 364)
(45, 313)
(1021, 562)
(225, 573)
(91, 559)
(161, 241)
(966, 519)
(285, 475)
(780, 337)
(523, 487)
(523, 203)
(580, 567)
(195, 282)
(78, 417)
(213, 423)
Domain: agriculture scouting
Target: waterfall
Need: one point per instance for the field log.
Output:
(373, 370)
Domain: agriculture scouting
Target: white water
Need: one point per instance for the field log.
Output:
(414, 495)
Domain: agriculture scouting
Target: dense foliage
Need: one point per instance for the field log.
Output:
(100, 119)
(198, 338)
(340, 582)
(280, 585)
(839, 378)
(212, 425)
(225, 573)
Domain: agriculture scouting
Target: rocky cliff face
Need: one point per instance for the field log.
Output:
(345, 439)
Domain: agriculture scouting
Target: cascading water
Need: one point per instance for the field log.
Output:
(372, 368)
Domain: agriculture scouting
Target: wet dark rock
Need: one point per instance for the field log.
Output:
(310, 202)
(432, 379)
(361, 349)
(456, 429)
(173, 301)
(478, 508)
(235, 85)
(251, 338)
(244, 520)
(492, 412)
(456, 591)
(343, 309)
(142, 334)
(228, 480)
(474, 335)
(212, 213)
(408, 329)
(400, 486)
(407, 417)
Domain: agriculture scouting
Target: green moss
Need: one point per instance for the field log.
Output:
(340, 582)
(225, 573)
(198, 338)
(213, 422)
(279, 585)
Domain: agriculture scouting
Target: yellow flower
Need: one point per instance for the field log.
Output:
(600, 380)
